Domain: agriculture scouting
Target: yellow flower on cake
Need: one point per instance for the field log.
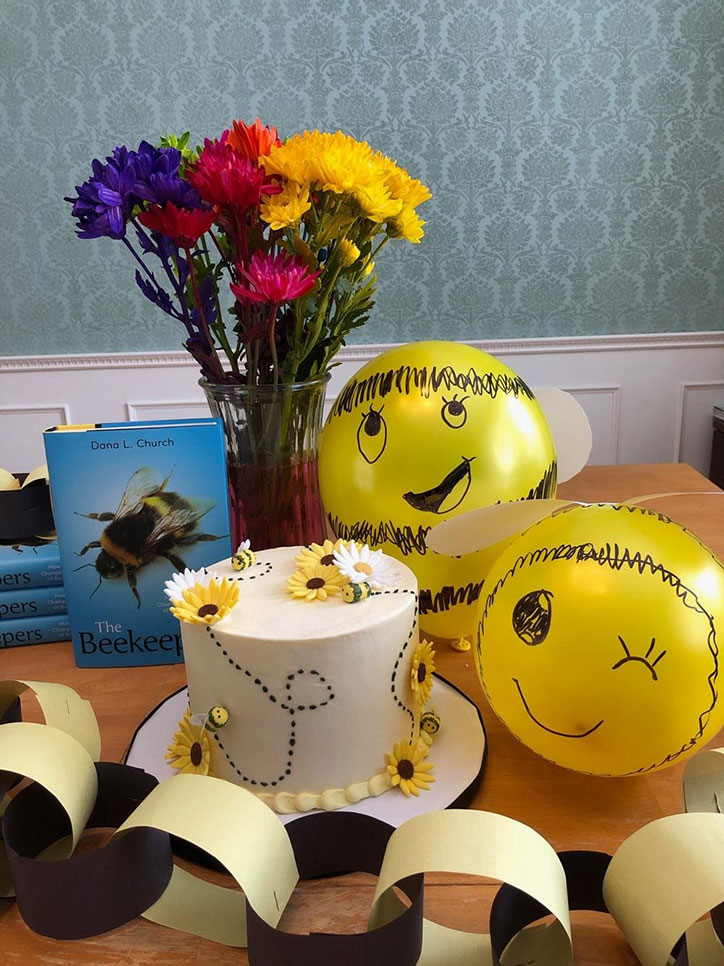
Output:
(318, 553)
(358, 564)
(206, 603)
(189, 752)
(408, 769)
(316, 583)
(423, 666)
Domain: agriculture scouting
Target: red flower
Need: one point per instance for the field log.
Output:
(274, 279)
(182, 225)
(227, 179)
(252, 140)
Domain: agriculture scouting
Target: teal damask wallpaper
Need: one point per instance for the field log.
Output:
(574, 148)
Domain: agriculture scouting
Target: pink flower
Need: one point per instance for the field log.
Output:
(227, 179)
(274, 279)
(183, 226)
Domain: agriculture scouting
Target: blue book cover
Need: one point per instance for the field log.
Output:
(34, 630)
(34, 562)
(133, 503)
(34, 602)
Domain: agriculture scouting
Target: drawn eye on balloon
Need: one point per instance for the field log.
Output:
(372, 434)
(630, 658)
(532, 617)
(453, 411)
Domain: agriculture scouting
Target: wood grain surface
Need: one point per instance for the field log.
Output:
(570, 810)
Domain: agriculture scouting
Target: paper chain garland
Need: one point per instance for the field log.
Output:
(660, 881)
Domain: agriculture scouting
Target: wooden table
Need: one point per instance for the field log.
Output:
(570, 810)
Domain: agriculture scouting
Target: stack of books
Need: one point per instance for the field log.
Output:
(33, 607)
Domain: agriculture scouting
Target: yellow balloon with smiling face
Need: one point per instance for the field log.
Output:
(420, 434)
(598, 640)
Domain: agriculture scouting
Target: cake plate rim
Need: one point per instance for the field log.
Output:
(460, 793)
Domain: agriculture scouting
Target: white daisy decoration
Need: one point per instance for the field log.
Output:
(359, 564)
(175, 587)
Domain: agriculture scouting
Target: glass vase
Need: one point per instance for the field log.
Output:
(272, 434)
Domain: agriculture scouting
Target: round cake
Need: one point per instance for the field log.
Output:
(312, 694)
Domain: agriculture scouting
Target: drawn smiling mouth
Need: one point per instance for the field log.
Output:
(561, 734)
(448, 494)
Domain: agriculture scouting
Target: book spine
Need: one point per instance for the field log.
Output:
(35, 602)
(34, 630)
(29, 572)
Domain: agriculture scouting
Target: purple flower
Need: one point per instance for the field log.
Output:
(157, 178)
(128, 178)
(105, 202)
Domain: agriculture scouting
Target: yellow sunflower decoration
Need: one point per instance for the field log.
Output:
(423, 667)
(189, 752)
(206, 603)
(316, 583)
(408, 769)
(318, 553)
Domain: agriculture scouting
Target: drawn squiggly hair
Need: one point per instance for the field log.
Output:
(426, 380)
(617, 557)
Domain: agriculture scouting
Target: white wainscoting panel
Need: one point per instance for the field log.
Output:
(21, 433)
(602, 406)
(649, 397)
(696, 402)
(168, 409)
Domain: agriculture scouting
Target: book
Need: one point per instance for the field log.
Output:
(34, 630)
(133, 503)
(34, 562)
(34, 602)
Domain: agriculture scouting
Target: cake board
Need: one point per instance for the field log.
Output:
(459, 754)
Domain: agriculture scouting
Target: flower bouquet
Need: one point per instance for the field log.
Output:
(265, 252)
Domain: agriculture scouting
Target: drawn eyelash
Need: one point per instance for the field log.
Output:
(651, 665)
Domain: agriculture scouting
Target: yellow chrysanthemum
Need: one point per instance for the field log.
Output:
(408, 768)
(407, 224)
(286, 209)
(206, 604)
(316, 583)
(318, 553)
(410, 191)
(348, 252)
(375, 202)
(189, 752)
(423, 667)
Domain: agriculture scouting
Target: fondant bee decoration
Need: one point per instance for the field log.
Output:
(216, 718)
(355, 592)
(244, 557)
(430, 722)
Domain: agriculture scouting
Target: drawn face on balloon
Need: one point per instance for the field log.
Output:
(601, 654)
(420, 434)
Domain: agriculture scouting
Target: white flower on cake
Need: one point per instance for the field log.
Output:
(359, 564)
(175, 587)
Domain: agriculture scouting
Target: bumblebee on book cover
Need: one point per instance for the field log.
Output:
(134, 502)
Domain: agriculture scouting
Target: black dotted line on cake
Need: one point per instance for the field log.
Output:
(308, 707)
(266, 563)
(272, 698)
(393, 688)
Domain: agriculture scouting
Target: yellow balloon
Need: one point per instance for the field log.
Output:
(421, 433)
(597, 640)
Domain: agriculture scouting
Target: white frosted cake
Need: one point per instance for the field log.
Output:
(314, 694)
